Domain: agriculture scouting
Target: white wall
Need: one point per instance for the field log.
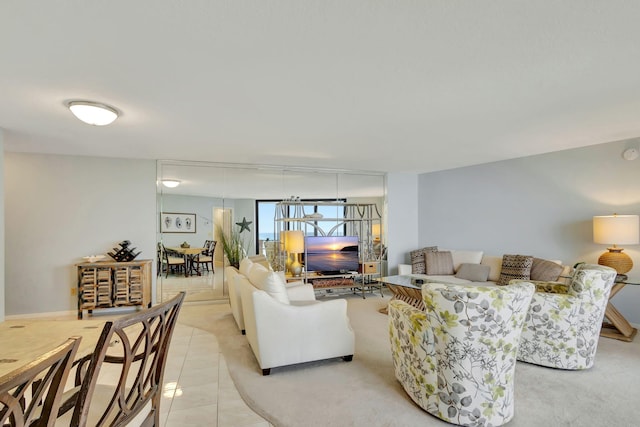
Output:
(540, 205)
(60, 208)
(402, 218)
(2, 227)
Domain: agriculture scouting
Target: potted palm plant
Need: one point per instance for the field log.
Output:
(233, 246)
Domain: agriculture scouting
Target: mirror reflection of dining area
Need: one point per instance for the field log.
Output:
(185, 259)
(189, 254)
(192, 269)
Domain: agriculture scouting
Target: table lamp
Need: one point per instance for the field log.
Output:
(616, 230)
(294, 245)
(376, 231)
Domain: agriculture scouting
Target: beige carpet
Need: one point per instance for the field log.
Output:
(364, 392)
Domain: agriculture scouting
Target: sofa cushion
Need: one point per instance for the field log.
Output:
(465, 257)
(473, 272)
(418, 265)
(260, 259)
(565, 275)
(545, 270)
(254, 274)
(245, 266)
(495, 265)
(515, 267)
(438, 263)
(446, 279)
(270, 282)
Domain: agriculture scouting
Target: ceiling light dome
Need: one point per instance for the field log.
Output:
(170, 183)
(93, 113)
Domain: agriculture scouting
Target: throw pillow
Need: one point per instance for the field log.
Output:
(473, 272)
(438, 263)
(545, 270)
(515, 267)
(254, 274)
(495, 265)
(466, 257)
(418, 265)
(270, 282)
(245, 266)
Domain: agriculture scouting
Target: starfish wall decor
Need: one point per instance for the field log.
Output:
(244, 225)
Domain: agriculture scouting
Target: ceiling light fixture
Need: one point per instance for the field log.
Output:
(170, 183)
(93, 113)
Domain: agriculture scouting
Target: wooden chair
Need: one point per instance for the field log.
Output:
(206, 257)
(31, 393)
(134, 349)
(169, 261)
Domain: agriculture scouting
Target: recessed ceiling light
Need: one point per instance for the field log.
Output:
(93, 113)
(170, 183)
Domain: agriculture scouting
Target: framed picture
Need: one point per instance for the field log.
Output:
(171, 222)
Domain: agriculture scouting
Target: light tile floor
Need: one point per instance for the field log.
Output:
(198, 388)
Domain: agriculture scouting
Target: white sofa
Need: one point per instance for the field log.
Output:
(286, 325)
(465, 272)
(296, 291)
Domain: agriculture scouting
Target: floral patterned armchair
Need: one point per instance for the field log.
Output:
(456, 359)
(564, 321)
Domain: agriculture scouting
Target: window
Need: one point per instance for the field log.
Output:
(265, 214)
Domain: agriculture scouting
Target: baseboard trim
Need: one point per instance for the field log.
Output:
(38, 315)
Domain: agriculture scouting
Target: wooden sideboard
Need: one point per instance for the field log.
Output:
(108, 284)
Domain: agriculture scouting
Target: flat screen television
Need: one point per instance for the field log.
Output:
(331, 254)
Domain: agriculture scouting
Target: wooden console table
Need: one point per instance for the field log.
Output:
(113, 284)
(618, 327)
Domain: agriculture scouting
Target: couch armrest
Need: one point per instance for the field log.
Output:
(404, 269)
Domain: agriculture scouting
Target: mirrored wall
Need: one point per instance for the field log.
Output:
(214, 200)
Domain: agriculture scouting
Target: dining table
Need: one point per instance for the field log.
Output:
(22, 341)
(191, 264)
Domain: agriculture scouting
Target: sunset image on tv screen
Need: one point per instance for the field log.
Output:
(331, 253)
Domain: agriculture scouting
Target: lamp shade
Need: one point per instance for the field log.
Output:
(616, 229)
(294, 241)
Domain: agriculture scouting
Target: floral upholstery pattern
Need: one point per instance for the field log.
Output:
(456, 359)
(564, 321)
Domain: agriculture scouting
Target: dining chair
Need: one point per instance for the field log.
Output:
(31, 393)
(131, 353)
(169, 261)
(206, 257)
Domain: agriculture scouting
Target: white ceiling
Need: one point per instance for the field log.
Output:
(381, 85)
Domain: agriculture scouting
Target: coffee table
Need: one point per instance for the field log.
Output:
(618, 326)
(405, 288)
